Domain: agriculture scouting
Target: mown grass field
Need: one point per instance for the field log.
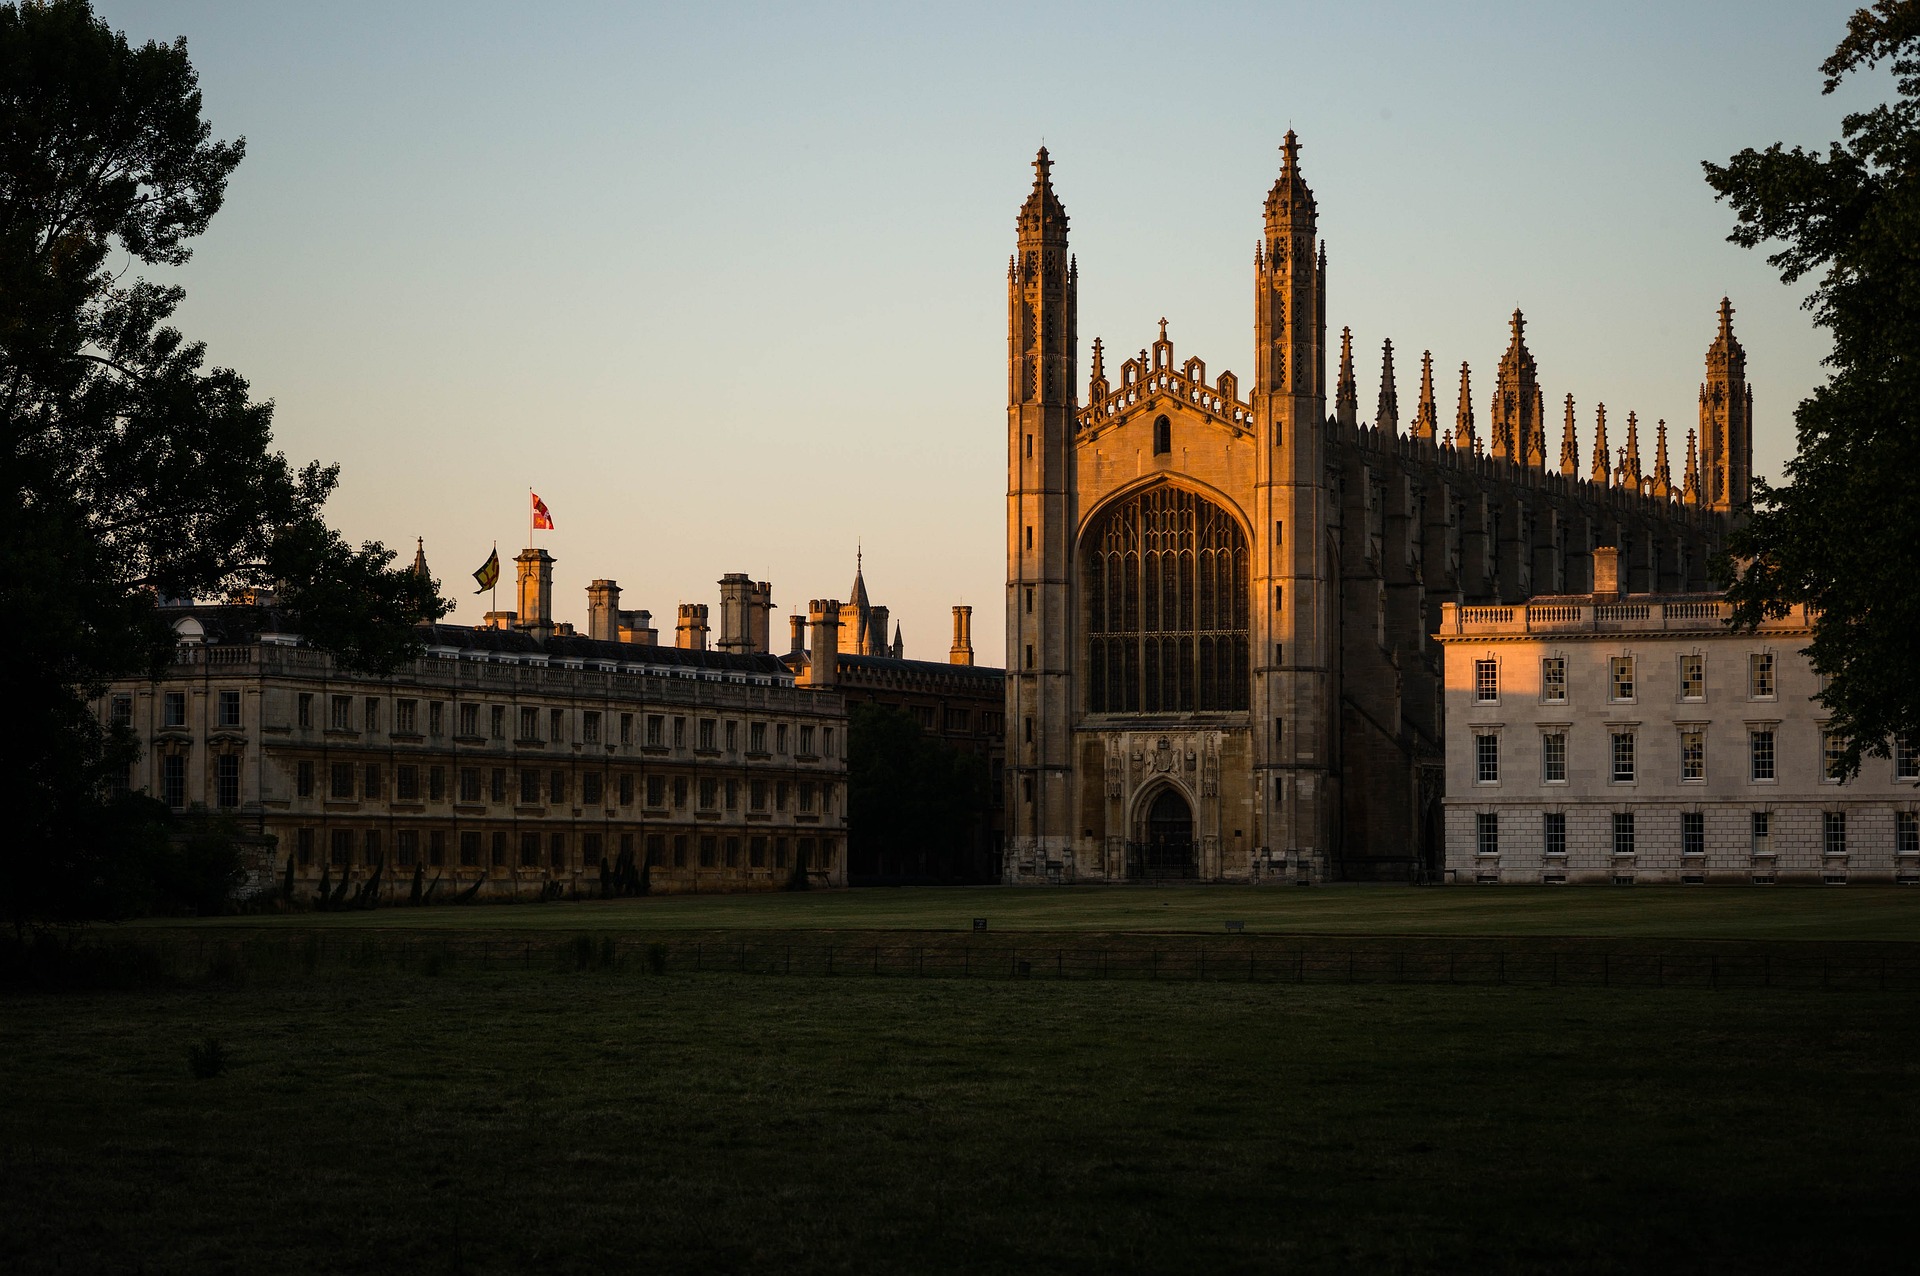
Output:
(1748, 913)
(552, 1120)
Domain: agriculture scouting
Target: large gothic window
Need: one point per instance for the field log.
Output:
(1166, 589)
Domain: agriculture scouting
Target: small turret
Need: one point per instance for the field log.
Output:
(1426, 419)
(1569, 445)
(1346, 399)
(1386, 417)
(1662, 477)
(1690, 493)
(1629, 473)
(1463, 415)
(1602, 462)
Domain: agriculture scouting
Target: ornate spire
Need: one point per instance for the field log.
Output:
(1537, 436)
(1690, 493)
(1569, 445)
(1043, 216)
(1290, 195)
(1662, 476)
(1463, 415)
(1602, 460)
(1726, 420)
(420, 559)
(1515, 415)
(1629, 474)
(1346, 400)
(1386, 417)
(857, 596)
(1426, 418)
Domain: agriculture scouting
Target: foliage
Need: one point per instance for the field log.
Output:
(1843, 534)
(915, 804)
(129, 471)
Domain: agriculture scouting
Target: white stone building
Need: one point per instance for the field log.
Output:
(1601, 738)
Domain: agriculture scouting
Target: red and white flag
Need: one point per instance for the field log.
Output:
(541, 517)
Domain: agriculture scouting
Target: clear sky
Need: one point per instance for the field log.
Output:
(726, 283)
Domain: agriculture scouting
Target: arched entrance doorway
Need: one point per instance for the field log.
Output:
(1165, 847)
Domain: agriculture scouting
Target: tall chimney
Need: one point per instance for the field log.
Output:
(799, 626)
(536, 591)
(823, 618)
(691, 633)
(603, 610)
(760, 617)
(1606, 572)
(962, 650)
(637, 627)
(736, 623)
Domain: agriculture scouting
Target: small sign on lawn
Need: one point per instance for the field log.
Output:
(979, 923)
(1236, 927)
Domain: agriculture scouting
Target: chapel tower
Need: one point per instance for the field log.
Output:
(1041, 343)
(1726, 420)
(1292, 534)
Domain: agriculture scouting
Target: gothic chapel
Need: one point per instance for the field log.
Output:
(1220, 602)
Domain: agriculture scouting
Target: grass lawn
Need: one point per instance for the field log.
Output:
(513, 1121)
(1747, 913)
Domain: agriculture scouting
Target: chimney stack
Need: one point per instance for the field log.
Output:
(735, 632)
(760, 617)
(691, 633)
(799, 625)
(962, 651)
(823, 618)
(1606, 573)
(603, 610)
(536, 591)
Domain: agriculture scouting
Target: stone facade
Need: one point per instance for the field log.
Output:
(1220, 598)
(501, 757)
(1635, 739)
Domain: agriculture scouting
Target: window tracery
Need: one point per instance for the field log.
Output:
(1166, 588)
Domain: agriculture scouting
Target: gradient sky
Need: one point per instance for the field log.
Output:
(726, 283)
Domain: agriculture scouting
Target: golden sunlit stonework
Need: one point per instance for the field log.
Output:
(1220, 600)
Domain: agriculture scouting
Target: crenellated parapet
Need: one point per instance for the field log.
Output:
(1150, 381)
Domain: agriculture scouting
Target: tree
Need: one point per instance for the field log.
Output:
(1843, 534)
(129, 472)
(915, 804)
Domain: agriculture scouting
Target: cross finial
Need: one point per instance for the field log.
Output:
(1163, 329)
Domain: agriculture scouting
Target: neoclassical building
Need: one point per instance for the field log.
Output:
(1220, 598)
(1623, 738)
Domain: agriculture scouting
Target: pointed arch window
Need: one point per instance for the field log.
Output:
(1162, 436)
(1166, 590)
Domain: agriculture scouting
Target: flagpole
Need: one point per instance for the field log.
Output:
(496, 576)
